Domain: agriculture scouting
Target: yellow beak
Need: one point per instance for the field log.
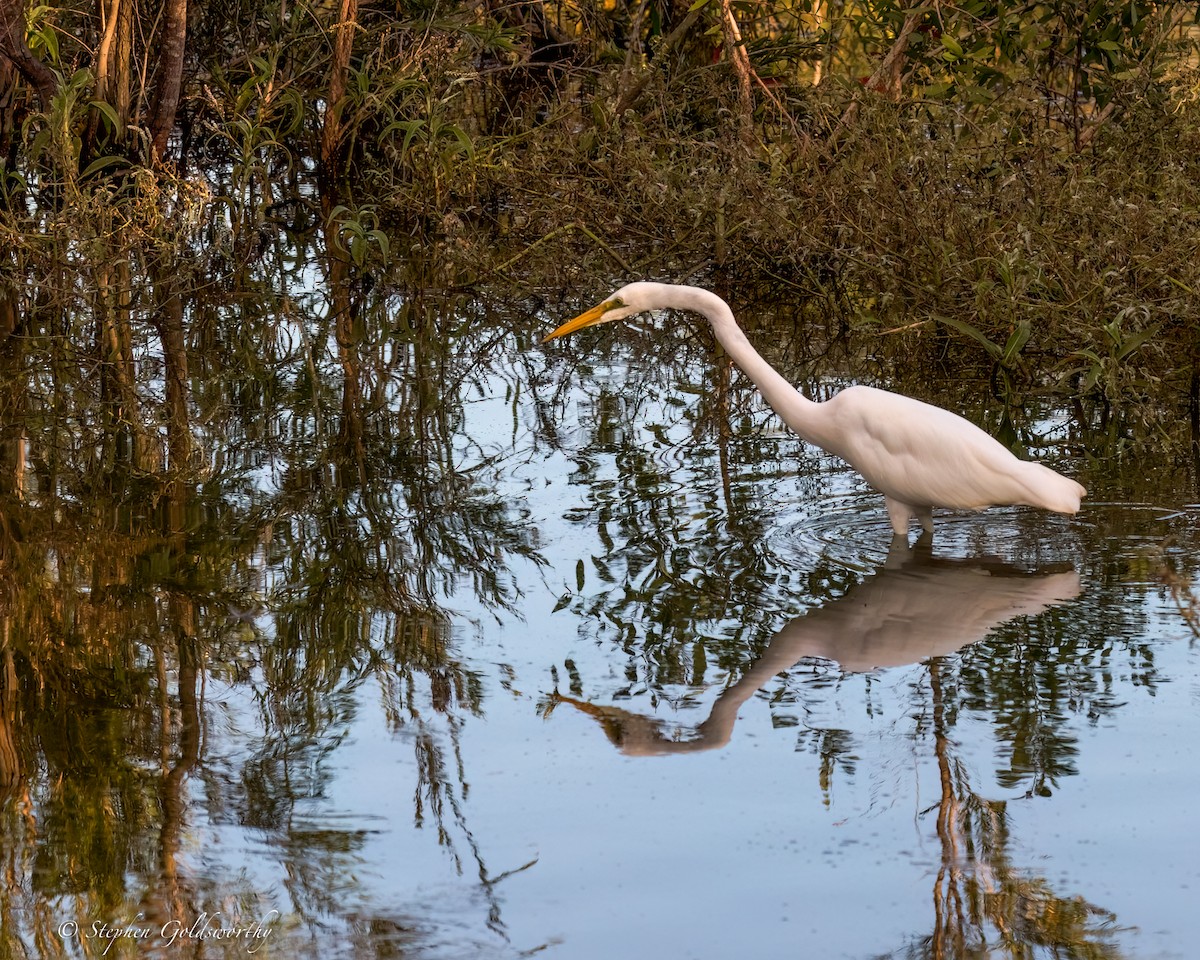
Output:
(588, 319)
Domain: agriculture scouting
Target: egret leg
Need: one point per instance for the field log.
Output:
(899, 513)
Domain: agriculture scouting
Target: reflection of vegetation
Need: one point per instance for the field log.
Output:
(1179, 586)
(1029, 680)
(250, 540)
(235, 372)
(982, 902)
(907, 610)
(671, 488)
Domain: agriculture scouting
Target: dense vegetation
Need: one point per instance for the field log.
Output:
(1024, 173)
(248, 239)
(1015, 183)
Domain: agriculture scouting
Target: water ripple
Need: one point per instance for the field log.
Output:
(852, 530)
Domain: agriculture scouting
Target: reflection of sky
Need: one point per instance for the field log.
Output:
(761, 848)
(706, 854)
(751, 850)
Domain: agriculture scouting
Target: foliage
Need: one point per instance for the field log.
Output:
(1012, 185)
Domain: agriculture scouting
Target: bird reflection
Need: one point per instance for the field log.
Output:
(915, 606)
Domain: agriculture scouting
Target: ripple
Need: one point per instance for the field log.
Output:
(852, 530)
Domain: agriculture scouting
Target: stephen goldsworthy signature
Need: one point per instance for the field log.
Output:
(206, 926)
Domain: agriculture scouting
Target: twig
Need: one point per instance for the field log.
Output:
(630, 95)
(575, 225)
(907, 326)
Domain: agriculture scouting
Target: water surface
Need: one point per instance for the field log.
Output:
(575, 651)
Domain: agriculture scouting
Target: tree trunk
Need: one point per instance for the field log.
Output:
(331, 134)
(170, 74)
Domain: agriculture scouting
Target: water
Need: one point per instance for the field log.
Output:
(587, 661)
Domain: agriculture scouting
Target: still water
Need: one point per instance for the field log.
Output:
(574, 652)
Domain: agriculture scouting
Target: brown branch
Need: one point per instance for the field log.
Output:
(109, 15)
(635, 32)
(885, 78)
(14, 49)
(735, 50)
(627, 98)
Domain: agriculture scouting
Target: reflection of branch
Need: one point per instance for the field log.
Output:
(949, 921)
(11, 768)
(434, 783)
(976, 886)
(1180, 588)
(171, 788)
(510, 873)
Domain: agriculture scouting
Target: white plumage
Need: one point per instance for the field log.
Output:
(917, 455)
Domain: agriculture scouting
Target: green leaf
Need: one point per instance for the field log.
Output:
(381, 240)
(1016, 342)
(992, 349)
(101, 163)
(465, 144)
(411, 128)
(1130, 344)
(109, 112)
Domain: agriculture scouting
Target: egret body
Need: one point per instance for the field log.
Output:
(917, 455)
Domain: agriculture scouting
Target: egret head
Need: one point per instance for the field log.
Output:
(630, 299)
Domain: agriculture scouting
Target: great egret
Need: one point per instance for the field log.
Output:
(917, 455)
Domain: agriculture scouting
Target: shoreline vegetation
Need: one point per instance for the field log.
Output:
(1009, 188)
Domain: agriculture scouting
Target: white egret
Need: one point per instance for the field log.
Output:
(917, 455)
